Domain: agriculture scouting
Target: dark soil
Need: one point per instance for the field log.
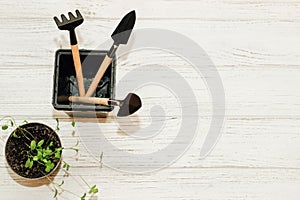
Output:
(16, 149)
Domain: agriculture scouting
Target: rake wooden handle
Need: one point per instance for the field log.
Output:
(78, 69)
(103, 67)
(90, 100)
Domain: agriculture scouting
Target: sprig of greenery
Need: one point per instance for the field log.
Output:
(16, 136)
(10, 122)
(74, 148)
(92, 190)
(57, 124)
(66, 166)
(44, 156)
(4, 127)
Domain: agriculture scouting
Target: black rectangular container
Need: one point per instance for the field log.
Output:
(65, 83)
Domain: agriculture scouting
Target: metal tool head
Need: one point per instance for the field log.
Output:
(123, 31)
(129, 105)
(71, 23)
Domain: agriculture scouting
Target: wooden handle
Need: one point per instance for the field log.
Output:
(78, 69)
(103, 67)
(90, 100)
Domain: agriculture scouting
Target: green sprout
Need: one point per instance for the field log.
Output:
(4, 127)
(9, 122)
(93, 190)
(57, 124)
(83, 196)
(66, 166)
(39, 152)
(44, 156)
(29, 163)
(16, 136)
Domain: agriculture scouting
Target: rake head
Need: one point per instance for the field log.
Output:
(71, 23)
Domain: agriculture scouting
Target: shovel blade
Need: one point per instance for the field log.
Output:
(123, 31)
(129, 105)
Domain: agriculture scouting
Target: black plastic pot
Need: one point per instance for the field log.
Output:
(65, 83)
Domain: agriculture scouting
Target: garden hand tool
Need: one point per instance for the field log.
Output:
(70, 25)
(120, 36)
(128, 106)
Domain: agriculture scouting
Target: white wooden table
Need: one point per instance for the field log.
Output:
(255, 47)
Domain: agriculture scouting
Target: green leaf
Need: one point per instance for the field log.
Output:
(31, 164)
(57, 154)
(93, 190)
(57, 124)
(48, 152)
(39, 154)
(11, 122)
(47, 169)
(101, 157)
(16, 136)
(35, 158)
(55, 193)
(49, 166)
(66, 166)
(51, 144)
(62, 182)
(32, 145)
(4, 127)
(73, 123)
(83, 196)
(40, 143)
(27, 164)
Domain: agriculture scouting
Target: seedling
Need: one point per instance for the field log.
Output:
(43, 155)
(43, 152)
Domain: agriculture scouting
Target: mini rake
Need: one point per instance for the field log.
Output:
(70, 25)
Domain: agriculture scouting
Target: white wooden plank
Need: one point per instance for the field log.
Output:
(157, 9)
(227, 43)
(254, 46)
(245, 143)
(189, 183)
(259, 92)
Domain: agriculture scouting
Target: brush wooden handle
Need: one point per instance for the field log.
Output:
(90, 100)
(78, 69)
(103, 67)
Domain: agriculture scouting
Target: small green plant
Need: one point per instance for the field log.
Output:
(43, 152)
(42, 155)
(92, 189)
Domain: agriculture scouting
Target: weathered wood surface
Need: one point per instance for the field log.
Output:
(254, 45)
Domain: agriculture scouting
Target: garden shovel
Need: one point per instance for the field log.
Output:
(120, 36)
(128, 106)
(70, 25)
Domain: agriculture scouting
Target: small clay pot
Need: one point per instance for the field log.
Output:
(16, 149)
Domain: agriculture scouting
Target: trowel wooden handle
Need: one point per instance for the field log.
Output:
(90, 100)
(103, 67)
(78, 69)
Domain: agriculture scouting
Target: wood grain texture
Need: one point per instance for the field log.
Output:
(102, 69)
(78, 69)
(254, 45)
